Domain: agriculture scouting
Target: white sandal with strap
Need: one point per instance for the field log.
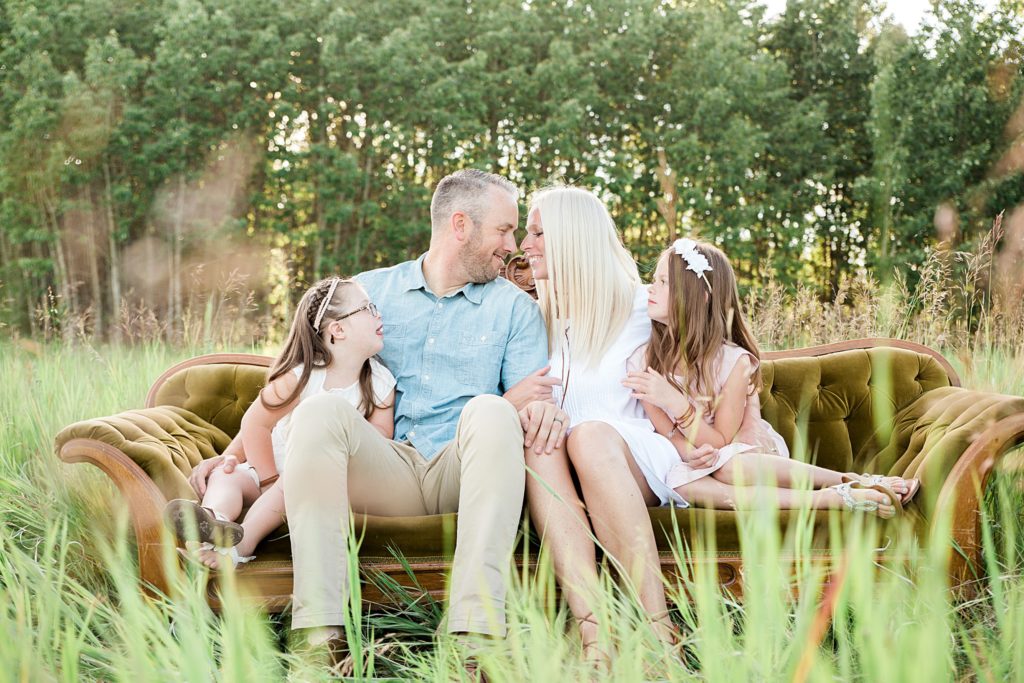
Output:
(865, 505)
(871, 480)
(228, 553)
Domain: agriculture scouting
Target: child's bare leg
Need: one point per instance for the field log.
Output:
(227, 493)
(265, 515)
(712, 493)
(761, 468)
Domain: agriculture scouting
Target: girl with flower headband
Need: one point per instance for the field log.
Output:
(334, 337)
(698, 379)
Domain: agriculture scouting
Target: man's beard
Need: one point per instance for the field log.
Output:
(478, 268)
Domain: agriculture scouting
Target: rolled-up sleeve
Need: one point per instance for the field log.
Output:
(526, 350)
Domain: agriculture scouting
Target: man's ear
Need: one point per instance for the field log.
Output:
(461, 225)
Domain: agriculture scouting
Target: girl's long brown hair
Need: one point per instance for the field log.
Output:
(699, 322)
(307, 348)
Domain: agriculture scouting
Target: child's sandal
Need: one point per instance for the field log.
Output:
(193, 556)
(192, 522)
(913, 485)
(844, 491)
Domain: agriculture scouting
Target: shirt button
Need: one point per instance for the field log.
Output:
(412, 433)
(430, 341)
(426, 378)
(440, 305)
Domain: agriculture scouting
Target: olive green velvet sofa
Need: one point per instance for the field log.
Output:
(873, 405)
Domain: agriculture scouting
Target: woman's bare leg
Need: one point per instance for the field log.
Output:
(557, 513)
(618, 511)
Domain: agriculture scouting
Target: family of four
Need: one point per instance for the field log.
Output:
(435, 386)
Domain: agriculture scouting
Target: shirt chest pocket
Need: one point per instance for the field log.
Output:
(396, 345)
(478, 368)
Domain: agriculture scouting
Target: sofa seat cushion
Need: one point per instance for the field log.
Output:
(431, 537)
(166, 442)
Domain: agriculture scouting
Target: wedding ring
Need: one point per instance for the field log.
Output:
(557, 419)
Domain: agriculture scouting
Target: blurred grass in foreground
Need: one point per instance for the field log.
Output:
(71, 609)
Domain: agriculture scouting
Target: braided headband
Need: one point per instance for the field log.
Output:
(323, 304)
(695, 261)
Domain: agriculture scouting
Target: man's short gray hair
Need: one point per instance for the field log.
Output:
(466, 190)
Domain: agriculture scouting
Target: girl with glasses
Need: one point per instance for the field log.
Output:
(334, 337)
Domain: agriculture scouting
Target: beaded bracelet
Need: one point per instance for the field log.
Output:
(684, 421)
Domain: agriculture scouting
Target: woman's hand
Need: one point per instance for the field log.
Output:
(544, 426)
(654, 388)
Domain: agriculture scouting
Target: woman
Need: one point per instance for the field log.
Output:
(595, 309)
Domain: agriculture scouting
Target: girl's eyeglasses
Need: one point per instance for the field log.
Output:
(370, 306)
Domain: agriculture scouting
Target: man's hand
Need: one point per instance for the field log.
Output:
(544, 426)
(700, 457)
(201, 472)
(651, 386)
(534, 387)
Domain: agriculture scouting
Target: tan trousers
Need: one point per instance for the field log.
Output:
(337, 461)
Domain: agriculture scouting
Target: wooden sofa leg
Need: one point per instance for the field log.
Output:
(145, 503)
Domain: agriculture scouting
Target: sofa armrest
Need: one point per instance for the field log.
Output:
(931, 436)
(166, 442)
(962, 495)
(951, 438)
(144, 499)
(148, 455)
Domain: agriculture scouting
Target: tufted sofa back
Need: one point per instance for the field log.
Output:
(218, 387)
(837, 410)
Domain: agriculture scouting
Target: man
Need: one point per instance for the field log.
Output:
(466, 349)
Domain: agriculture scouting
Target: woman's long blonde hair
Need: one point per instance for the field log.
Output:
(592, 279)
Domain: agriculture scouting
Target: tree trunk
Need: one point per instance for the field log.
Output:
(113, 259)
(667, 202)
(178, 237)
(64, 287)
(95, 284)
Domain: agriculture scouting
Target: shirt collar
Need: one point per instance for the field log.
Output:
(413, 279)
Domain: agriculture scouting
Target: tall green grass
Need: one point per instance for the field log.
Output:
(71, 609)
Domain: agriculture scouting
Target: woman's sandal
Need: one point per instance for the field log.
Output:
(844, 491)
(590, 649)
(187, 519)
(194, 555)
(913, 485)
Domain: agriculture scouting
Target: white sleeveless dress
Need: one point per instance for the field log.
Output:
(596, 394)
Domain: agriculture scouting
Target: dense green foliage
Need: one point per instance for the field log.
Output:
(152, 152)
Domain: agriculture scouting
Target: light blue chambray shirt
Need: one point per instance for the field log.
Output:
(482, 339)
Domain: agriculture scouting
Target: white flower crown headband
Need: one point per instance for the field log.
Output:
(695, 261)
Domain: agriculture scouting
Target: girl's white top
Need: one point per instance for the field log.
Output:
(383, 382)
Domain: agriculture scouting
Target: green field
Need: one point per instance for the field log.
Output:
(70, 608)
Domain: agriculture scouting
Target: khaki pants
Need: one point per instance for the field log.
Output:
(337, 461)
